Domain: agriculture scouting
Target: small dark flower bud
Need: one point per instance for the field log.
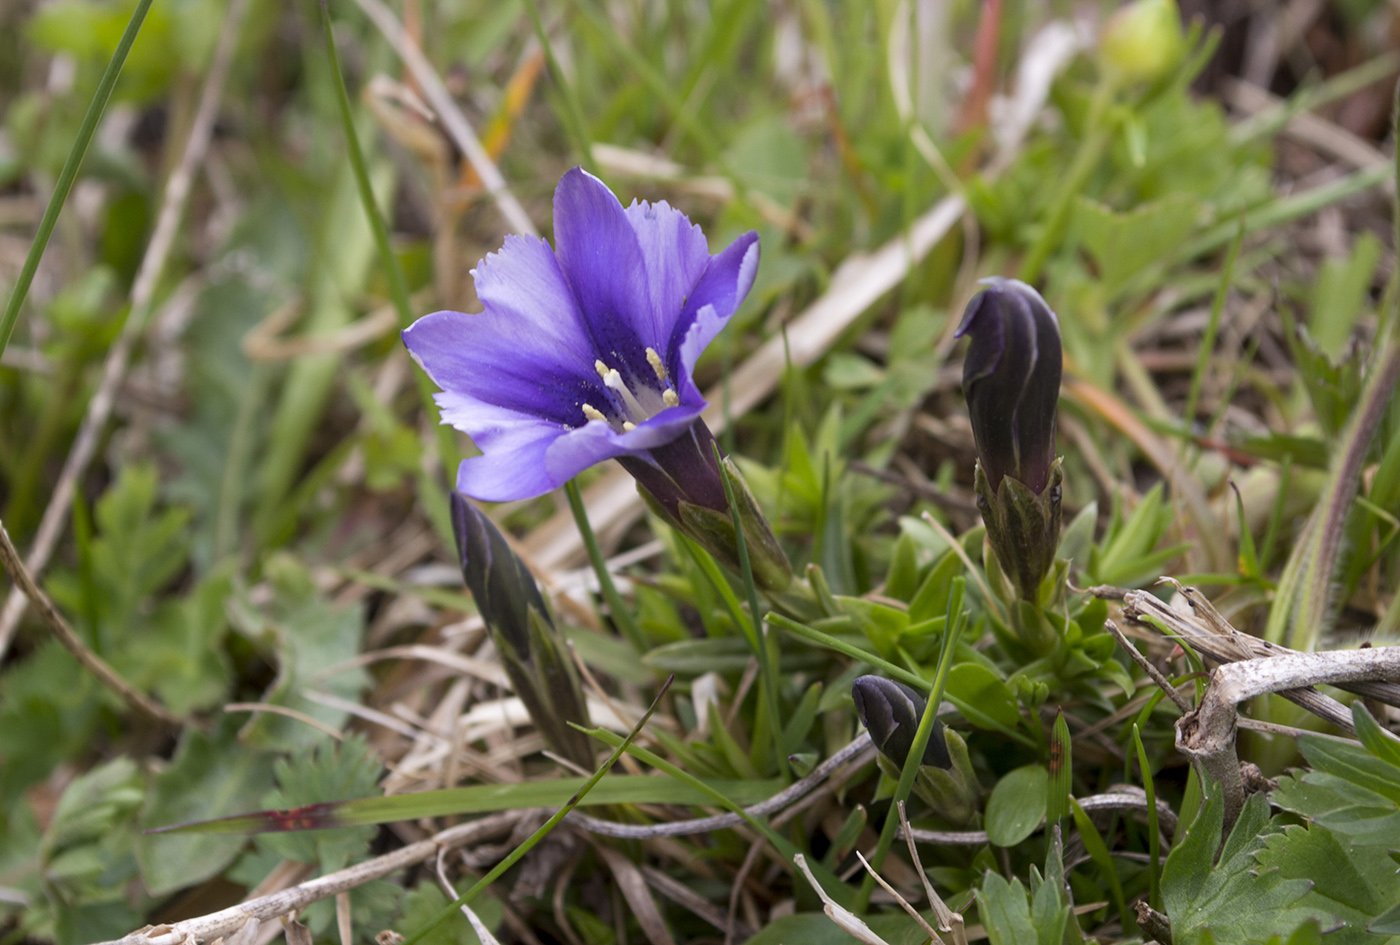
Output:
(891, 711)
(518, 620)
(1011, 378)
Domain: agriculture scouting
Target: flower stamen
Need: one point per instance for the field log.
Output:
(591, 412)
(657, 364)
(670, 398)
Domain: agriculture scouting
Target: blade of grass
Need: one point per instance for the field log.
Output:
(475, 799)
(1098, 852)
(620, 614)
(433, 502)
(956, 618)
(1061, 771)
(545, 828)
(69, 172)
(1154, 843)
(574, 120)
(1227, 278)
(761, 638)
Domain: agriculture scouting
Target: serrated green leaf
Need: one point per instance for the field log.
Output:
(324, 773)
(1353, 884)
(1230, 900)
(1376, 740)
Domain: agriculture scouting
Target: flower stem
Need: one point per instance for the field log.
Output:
(393, 272)
(956, 618)
(761, 638)
(616, 606)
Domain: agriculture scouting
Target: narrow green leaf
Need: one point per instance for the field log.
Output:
(546, 827)
(1154, 842)
(69, 173)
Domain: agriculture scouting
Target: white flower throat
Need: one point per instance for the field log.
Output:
(639, 403)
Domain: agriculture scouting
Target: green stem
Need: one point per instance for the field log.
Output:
(616, 605)
(70, 170)
(956, 618)
(393, 271)
(761, 638)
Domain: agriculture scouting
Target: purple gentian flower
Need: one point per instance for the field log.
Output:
(585, 352)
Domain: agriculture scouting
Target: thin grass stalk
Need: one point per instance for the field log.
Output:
(69, 173)
(956, 618)
(616, 605)
(531, 841)
(765, 658)
(1154, 837)
(574, 121)
(1217, 306)
(1305, 592)
(393, 271)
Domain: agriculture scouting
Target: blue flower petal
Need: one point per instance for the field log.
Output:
(602, 259)
(714, 299)
(675, 255)
(486, 358)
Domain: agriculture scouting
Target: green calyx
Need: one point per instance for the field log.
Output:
(1023, 528)
(713, 530)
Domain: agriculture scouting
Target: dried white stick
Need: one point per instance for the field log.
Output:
(229, 921)
(852, 753)
(1207, 736)
(903, 903)
(1123, 797)
(59, 627)
(450, 115)
(172, 208)
(849, 922)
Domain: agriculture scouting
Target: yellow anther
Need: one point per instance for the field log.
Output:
(601, 368)
(593, 413)
(628, 426)
(656, 363)
(669, 397)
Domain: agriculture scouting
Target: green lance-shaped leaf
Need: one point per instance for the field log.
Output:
(518, 620)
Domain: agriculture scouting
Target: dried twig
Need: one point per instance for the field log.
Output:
(450, 115)
(858, 751)
(230, 921)
(1153, 672)
(1125, 797)
(1208, 633)
(24, 584)
(172, 208)
(1207, 736)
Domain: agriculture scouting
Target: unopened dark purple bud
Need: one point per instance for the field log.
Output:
(1011, 378)
(503, 588)
(891, 712)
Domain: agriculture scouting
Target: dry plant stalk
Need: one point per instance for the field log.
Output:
(1207, 735)
(238, 919)
(1246, 667)
(26, 588)
(99, 409)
